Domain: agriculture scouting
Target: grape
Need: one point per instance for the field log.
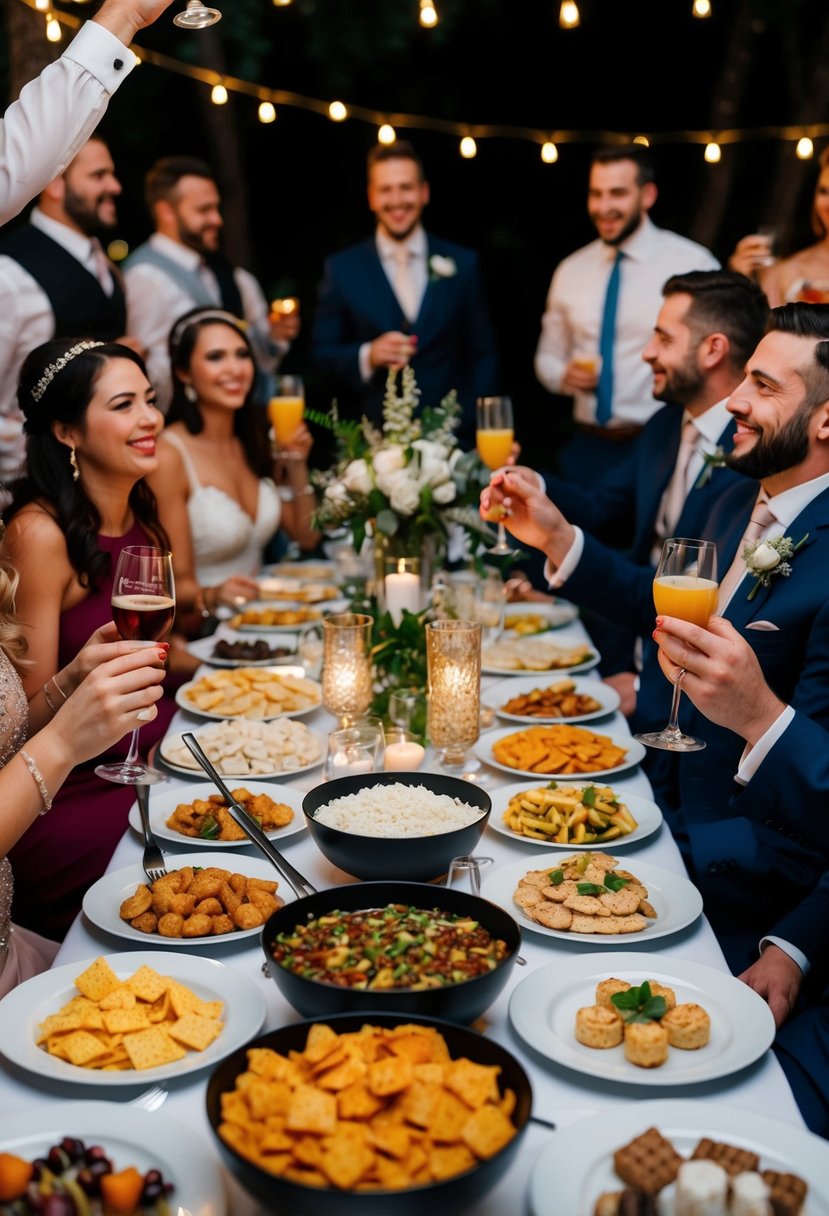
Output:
(152, 1191)
(73, 1148)
(58, 1205)
(57, 1159)
(95, 1153)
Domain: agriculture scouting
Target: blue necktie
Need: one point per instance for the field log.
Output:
(607, 338)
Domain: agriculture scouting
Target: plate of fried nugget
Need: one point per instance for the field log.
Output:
(193, 905)
(190, 814)
(251, 692)
(585, 1166)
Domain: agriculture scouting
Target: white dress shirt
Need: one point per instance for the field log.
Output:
(573, 316)
(155, 302)
(56, 113)
(417, 247)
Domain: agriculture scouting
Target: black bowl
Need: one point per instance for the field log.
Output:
(437, 1198)
(413, 858)
(458, 1002)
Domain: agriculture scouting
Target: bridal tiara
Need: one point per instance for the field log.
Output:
(206, 314)
(58, 366)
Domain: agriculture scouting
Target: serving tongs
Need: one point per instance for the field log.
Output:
(299, 885)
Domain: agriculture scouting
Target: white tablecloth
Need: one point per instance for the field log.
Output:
(560, 1096)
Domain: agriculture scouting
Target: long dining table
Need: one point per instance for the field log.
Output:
(560, 1096)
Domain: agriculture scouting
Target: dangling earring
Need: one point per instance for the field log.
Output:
(190, 393)
(73, 460)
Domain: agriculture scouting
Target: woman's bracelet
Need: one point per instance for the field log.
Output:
(48, 699)
(58, 687)
(37, 777)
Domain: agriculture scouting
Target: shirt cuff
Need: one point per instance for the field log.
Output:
(366, 370)
(571, 559)
(102, 55)
(797, 956)
(753, 757)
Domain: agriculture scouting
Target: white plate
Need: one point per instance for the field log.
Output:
(278, 672)
(129, 1136)
(282, 606)
(499, 694)
(312, 571)
(675, 899)
(296, 590)
(197, 773)
(635, 753)
(489, 669)
(27, 1005)
(164, 799)
(576, 1164)
(202, 649)
(647, 814)
(557, 614)
(543, 1010)
(103, 899)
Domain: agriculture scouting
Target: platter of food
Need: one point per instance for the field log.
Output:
(162, 1159)
(517, 656)
(192, 905)
(295, 590)
(557, 815)
(241, 748)
(719, 1024)
(558, 750)
(312, 571)
(591, 898)
(188, 1013)
(256, 693)
(193, 816)
(527, 619)
(600, 1155)
(265, 618)
(234, 650)
(556, 699)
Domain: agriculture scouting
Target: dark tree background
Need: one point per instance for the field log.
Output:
(294, 190)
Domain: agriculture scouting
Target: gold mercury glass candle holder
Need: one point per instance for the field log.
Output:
(346, 665)
(453, 658)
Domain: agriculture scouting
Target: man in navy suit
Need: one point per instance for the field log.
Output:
(403, 296)
(747, 871)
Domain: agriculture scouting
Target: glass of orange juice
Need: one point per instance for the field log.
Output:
(494, 438)
(684, 586)
(286, 409)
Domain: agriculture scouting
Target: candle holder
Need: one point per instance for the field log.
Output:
(401, 587)
(346, 665)
(355, 750)
(453, 659)
(404, 754)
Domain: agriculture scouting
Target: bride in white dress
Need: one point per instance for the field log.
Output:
(217, 499)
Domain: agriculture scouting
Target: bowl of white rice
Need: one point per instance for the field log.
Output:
(396, 825)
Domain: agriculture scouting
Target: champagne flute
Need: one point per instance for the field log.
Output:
(196, 16)
(143, 608)
(684, 586)
(285, 410)
(493, 439)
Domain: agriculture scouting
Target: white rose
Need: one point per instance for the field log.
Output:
(404, 494)
(444, 493)
(765, 558)
(356, 477)
(336, 493)
(443, 267)
(434, 467)
(388, 460)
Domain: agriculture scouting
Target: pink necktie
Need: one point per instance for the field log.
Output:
(404, 288)
(761, 518)
(102, 269)
(673, 500)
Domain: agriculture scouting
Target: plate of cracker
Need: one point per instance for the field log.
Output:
(519, 655)
(544, 1008)
(565, 814)
(130, 1018)
(295, 590)
(192, 815)
(559, 750)
(259, 693)
(558, 699)
(649, 1140)
(527, 619)
(194, 904)
(265, 618)
(591, 898)
(241, 748)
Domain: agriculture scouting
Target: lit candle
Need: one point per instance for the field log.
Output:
(404, 757)
(350, 763)
(402, 591)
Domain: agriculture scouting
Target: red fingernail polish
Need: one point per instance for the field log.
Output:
(659, 621)
(653, 635)
(162, 654)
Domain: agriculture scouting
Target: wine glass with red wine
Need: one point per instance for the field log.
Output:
(143, 609)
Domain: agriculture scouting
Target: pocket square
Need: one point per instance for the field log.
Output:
(765, 626)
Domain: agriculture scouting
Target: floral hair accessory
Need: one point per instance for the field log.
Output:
(710, 461)
(207, 314)
(58, 366)
(766, 558)
(441, 267)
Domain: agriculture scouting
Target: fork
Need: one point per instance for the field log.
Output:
(151, 1098)
(153, 860)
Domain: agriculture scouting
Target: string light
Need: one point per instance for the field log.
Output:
(428, 14)
(386, 134)
(337, 112)
(267, 111)
(468, 147)
(42, 6)
(805, 149)
(281, 3)
(549, 152)
(643, 140)
(53, 30)
(117, 250)
(701, 8)
(713, 153)
(218, 95)
(568, 15)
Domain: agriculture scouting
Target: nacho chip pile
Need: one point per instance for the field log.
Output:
(379, 1108)
(142, 1022)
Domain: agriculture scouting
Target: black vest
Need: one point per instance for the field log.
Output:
(231, 296)
(81, 306)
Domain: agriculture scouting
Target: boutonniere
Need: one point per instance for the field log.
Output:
(769, 557)
(441, 267)
(710, 461)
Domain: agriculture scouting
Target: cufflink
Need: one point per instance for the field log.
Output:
(117, 64)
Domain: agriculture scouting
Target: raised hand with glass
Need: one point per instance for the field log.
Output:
(494, 438)
(143, 609)
(286, 410)
(684, 586)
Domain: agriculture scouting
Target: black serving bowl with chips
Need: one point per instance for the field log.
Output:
(462, 1002)
(411, 858)
(444, 1198)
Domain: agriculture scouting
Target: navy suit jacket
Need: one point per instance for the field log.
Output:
(456, 346)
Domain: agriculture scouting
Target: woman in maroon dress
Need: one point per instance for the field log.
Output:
(91, 426)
